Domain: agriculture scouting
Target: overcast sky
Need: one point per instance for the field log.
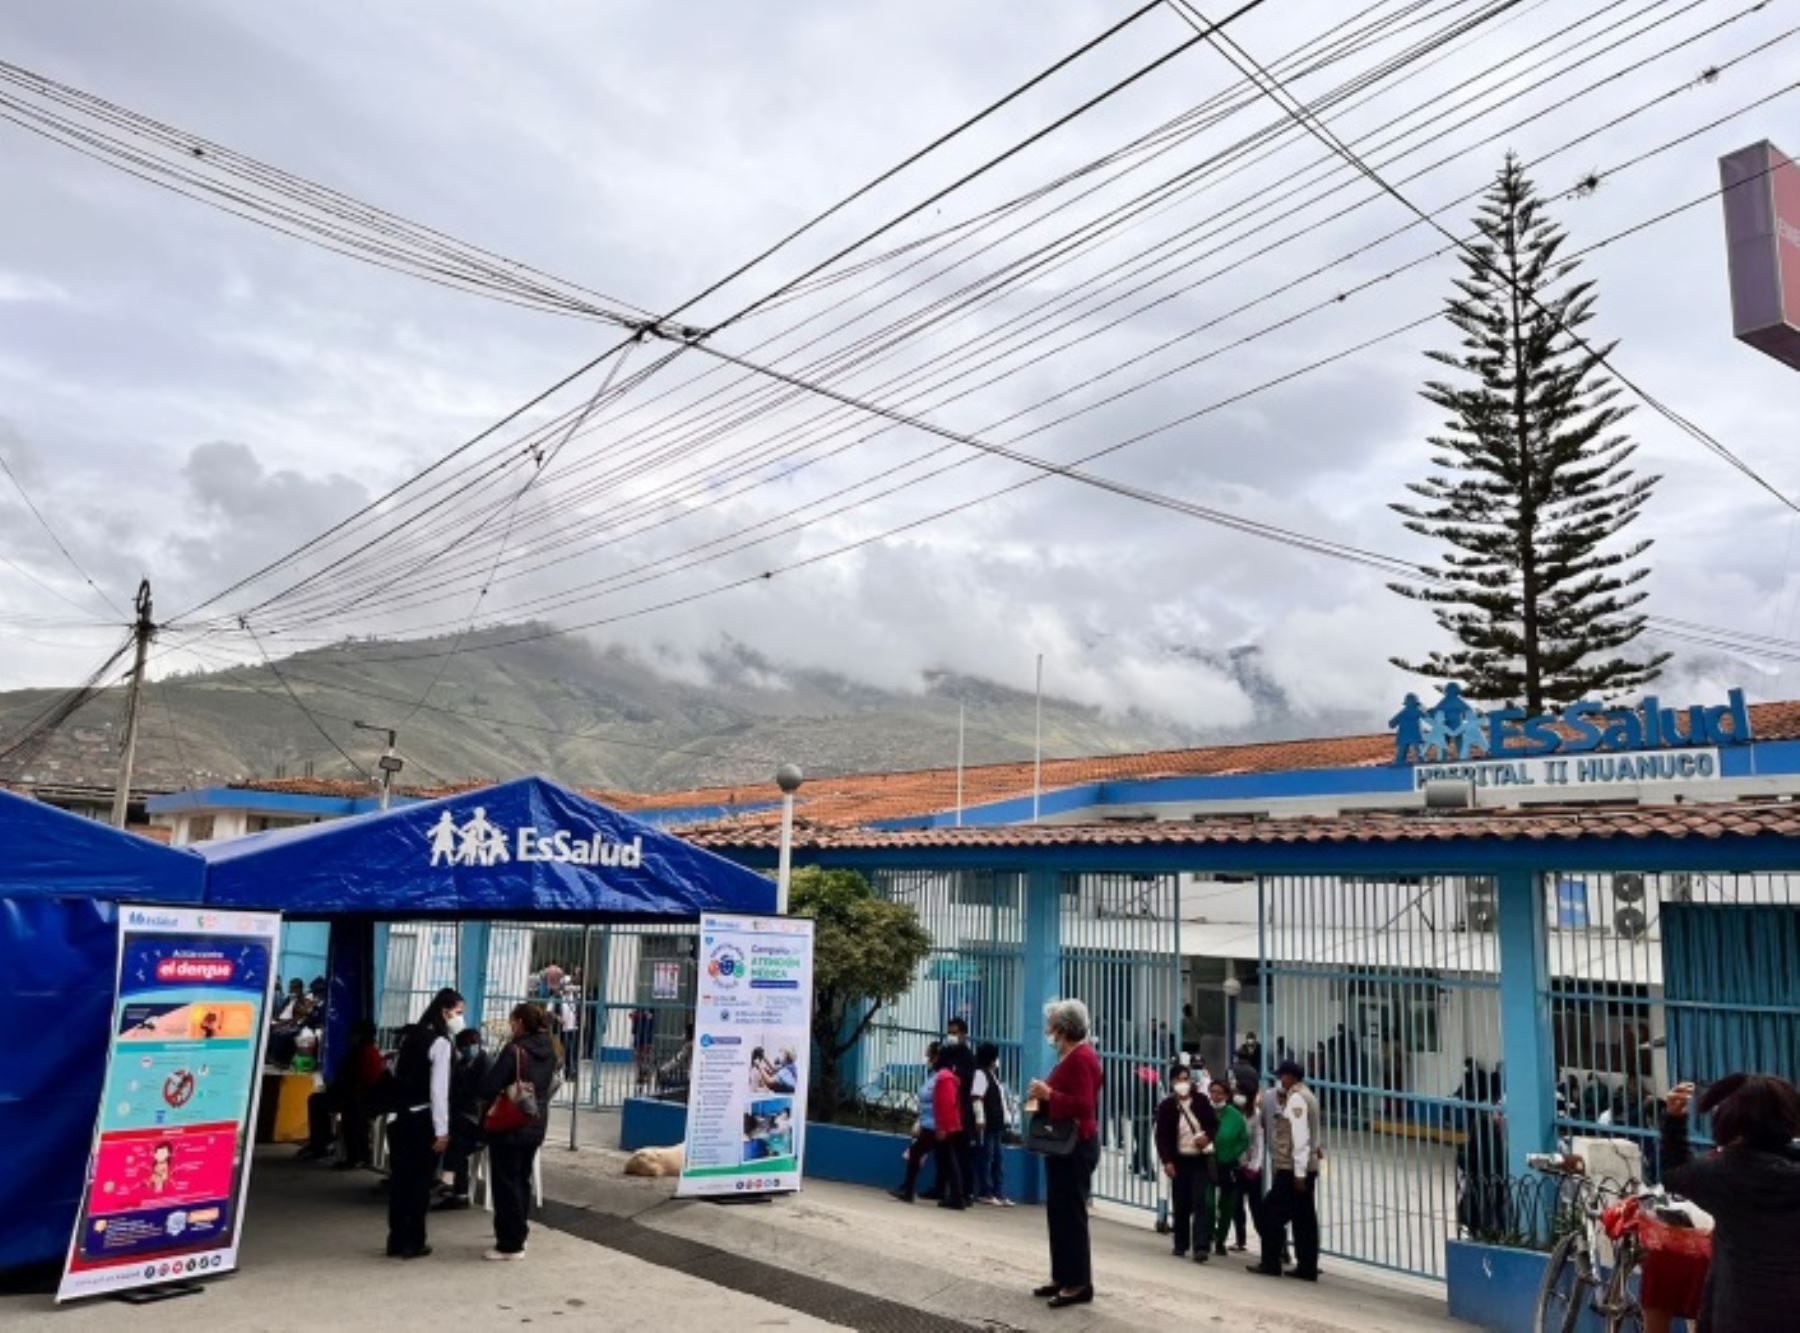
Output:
(186, 395)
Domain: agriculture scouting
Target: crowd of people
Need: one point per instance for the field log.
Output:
(1233, 1153)
(445, 1098)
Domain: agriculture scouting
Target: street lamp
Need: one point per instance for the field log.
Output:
(788, 777)
(389, 763)
(1232, 988)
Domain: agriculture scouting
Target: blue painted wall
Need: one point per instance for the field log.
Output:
(304, 945)
(1493, 1287)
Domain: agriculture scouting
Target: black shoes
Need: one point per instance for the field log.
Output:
(1303, 1275)
(450, 1203)
(1260, 1271)
(1048, 1289)
(1201, 1256)
(1085, 1296)
(905, 1196)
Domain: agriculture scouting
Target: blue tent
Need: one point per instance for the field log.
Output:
(521, 849)
(61, 880)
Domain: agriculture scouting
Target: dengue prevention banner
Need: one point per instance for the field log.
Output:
(746, 1120)
(164, 1198)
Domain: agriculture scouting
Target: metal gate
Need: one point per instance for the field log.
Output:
(1663, 978)
(423, 957)
(976, 920)
(1121, 955)
(1386, 991)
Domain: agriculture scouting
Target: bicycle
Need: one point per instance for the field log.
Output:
(1573, 1280)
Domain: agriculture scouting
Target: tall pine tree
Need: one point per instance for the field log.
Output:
(1532, 491)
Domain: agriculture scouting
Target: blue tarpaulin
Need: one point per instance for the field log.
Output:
(61, 878)
(521, 849)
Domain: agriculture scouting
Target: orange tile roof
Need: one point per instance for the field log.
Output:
(1539, 825)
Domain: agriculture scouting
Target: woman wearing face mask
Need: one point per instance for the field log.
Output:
(1249, 1172)
(1070, 1093)
(1185, 1128)
(531, 1058)
(420, 1129)
(1230, 1144)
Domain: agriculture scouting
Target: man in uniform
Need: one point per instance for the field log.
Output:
(1296, 1151)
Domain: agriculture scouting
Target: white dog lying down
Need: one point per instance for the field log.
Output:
(656, 1161)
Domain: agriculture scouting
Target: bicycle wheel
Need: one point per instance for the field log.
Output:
(1564, 1291)
(1624, 1313)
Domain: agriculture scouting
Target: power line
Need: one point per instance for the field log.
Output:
(44, 523)
(318, 726)
(1279, 94)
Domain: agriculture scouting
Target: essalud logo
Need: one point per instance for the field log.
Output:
(1453, 728)
(478, 841)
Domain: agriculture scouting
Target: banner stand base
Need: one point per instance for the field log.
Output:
(168, 1291)
(737, 1198)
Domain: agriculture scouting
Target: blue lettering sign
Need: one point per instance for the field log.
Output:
(1454, 729)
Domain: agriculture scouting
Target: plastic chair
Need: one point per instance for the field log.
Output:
(479, 1183)
(378, 1146)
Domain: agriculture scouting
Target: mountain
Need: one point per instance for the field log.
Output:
(578, 713)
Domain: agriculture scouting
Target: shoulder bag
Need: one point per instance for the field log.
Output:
(1051, 1138)
(517, 1106)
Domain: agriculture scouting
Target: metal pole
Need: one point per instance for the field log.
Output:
(389, 763)
(1037, 784)
(961, 717)
(142, 631)
(788, 777)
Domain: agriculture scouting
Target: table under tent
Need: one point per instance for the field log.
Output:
(522, 851)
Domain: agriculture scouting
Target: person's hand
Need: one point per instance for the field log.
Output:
(1300, 1184)
(1676, 1104)
(1039, 1090)
(941, 1135)
(441, 1143)
(1169, 1170)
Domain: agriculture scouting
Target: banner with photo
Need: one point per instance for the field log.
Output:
(170, 1167)
(746, 1121)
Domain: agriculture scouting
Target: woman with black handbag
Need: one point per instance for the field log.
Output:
(518, 1082)
(1065, 1131)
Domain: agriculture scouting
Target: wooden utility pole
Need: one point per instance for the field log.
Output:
(143, 632)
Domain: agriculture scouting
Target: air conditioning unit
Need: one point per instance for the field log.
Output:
(1630, 922)
(1628, 888)
(1481, 906)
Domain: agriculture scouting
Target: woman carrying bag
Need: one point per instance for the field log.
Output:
(1065, 1131)
(518, 1082)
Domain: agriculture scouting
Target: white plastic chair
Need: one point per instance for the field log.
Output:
(479, 1183)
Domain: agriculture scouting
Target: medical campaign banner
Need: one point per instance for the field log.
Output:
(164, 1198)
(746, 1121)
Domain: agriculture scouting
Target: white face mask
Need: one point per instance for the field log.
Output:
(455, 1023)
(1054, 1043)
(1183, 1089)
(1241, 1100)
(951, 1039)
(1218, 1105)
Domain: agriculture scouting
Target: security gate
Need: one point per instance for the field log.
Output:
(1386, 991)
(1121, 954)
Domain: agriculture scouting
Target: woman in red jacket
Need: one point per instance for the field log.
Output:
(946, 1105)
(1072, 1092)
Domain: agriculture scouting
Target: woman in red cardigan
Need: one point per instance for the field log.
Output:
(1072, 1092)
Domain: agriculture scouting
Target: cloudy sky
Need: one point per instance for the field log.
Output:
(187, 395)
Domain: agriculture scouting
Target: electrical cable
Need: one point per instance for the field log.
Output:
(62, 546)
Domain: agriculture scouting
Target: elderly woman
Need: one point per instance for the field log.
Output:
(1071, 1093)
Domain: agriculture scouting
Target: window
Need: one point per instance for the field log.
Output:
(200, 828)
(1571, 904)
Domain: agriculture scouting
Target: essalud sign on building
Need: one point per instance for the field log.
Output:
(1586, 744)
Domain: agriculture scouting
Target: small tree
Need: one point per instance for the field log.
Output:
(865, 953)
(1533, 488)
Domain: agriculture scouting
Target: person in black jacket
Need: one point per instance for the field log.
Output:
(1185, 1125)
(531, 1058)
(420, 1129)
(1751, 1186)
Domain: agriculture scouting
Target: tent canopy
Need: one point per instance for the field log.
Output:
(51, 853)
(521, 849)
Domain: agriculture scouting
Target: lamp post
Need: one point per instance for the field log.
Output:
(788, 777)
(389, 763)
(1232, 988)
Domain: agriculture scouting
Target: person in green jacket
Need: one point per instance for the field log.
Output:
(1228, 1148)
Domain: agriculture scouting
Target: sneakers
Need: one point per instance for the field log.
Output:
(504, 1256)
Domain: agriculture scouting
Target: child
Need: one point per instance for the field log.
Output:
(991, 1122)
(925, 1132)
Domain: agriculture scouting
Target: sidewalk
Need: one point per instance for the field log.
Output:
(979, 1266)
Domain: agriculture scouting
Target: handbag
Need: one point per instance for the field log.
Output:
(517, 1106)
(1051, 1138)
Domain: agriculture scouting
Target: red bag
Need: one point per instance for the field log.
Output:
(517, 1106)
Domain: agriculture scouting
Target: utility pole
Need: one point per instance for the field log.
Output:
(143, 631)
(961, 717)
(389, 763)
(1037, 782)
(788, 777)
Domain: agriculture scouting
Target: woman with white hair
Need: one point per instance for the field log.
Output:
(1070, 1099)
